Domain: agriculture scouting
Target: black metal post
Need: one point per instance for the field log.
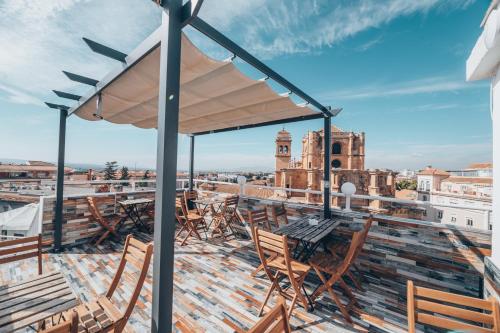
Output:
(191, 162)
(327, 168)
(166, 167)
(63, 114)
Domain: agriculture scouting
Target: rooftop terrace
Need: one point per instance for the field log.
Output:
(213, 289)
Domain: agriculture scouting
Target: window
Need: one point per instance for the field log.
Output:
(18, 235)
(490, 227)
(424, 198)
(285, 149)
(453, 219)
(470, 222)
(280, 150)
(4, 232)
(421, 185)
(440, 214)
(336, 164)
(427, 185)
(310, 165)
(336, 148)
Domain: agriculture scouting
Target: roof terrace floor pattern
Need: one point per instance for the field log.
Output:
(213, 289)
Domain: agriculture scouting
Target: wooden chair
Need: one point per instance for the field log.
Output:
(69, 324)
(258, 218)
(451, 311)
(189, 196)
(22, 248)
(229, 214)
(280, 266)
(326, 263)
(110, 224)
(275, 321)
(103, 315)
(340, 251)
(189, 222)
(279, 213)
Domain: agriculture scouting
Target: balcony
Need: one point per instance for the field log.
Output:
(213, 287)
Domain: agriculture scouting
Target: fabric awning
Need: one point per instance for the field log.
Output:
(214, 94)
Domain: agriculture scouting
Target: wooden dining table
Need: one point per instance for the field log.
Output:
(135, 210)
(28, 302)
(310, 231)
(205, 205)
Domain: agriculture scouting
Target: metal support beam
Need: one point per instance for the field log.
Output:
(66, 95)
(81, 79)
(57, 106)
(105, 50)
(326, 166)
(166, 167)
(267, 123)
(231, 46)
(60, 181)
(191, 162)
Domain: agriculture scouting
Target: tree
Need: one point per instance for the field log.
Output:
(124, 173)
(145, 176)
(110, 170)
(406, 185)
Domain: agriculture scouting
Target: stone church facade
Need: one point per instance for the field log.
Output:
(347, 165)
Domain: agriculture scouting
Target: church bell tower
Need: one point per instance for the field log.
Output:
(283, 150)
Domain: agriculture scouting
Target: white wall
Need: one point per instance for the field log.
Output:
(495, 100)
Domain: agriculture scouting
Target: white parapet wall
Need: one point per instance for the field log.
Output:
(483, 64)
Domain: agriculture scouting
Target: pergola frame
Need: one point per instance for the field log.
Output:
(174, 17)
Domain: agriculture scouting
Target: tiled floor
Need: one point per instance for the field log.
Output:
(213, 290)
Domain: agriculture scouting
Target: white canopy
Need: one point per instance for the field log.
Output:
(214, 94)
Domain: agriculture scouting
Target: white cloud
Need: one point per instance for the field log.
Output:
(417, 156)
(295, 26)
(435, 84)
(40, 38)
(17, 96)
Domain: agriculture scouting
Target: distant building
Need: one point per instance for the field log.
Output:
(406, 174)
(30, 170)
(347, 165)
(470, 190)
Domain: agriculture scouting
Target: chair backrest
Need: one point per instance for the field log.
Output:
(364, 236)
(138, 254)
(22, 248)
(352, 252)
(269, 246)
(279, 213)
(94, 209)
(259, 218)
(68, 326)
(231, 204)
(189, 196)
(451, 311)
(275, 321)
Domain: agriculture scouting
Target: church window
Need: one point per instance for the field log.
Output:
(310, 165)
(285, 149)
(336, 164)
(280, 150)
(336, 148)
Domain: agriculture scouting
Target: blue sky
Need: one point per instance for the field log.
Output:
(397, 67)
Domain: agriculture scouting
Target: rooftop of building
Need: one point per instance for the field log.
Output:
(430, 171)
(469, 180)
(479, 166)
